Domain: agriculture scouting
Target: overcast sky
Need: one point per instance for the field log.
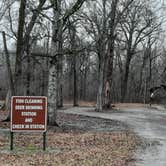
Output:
(11, 43)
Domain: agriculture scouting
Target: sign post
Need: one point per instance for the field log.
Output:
(28, 114)
(44, 141)
(11, 140)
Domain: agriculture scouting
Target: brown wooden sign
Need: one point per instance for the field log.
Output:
(28, 113)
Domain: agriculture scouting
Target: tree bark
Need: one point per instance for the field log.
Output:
(8, 66)
(74, 65)
(141, 75)
(85, 82)
(60, 71)
(70, 77)
(99, 104)
(126, 75)
(129, 55)
(11, 90)
(28, 73)
(20, 45)
(53, 72)
(52, 94)
(110, 55)
(75, 93)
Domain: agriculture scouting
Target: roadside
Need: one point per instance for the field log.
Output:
(80, 140)
(89, 148)
(148, 123)
(159, 107)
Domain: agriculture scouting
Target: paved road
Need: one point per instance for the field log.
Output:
(148, 123)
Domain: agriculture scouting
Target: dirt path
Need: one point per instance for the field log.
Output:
(148, 123)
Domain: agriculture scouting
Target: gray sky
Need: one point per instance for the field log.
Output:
(4, 26)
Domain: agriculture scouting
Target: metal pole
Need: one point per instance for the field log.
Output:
(44, 141)
(11, 140)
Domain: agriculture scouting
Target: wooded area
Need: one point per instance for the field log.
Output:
(82, 50)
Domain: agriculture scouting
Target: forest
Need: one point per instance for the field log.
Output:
(99, 51)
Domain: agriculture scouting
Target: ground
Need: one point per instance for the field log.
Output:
(147, 122)
(80, 140)
(86, 137)
(95, 148)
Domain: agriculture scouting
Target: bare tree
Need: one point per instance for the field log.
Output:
(136, 28)
(19, 49)
(58, 25)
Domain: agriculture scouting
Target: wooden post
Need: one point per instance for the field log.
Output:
(44, 141)
(11, 140)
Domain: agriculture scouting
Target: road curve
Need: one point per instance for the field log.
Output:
(147, 123)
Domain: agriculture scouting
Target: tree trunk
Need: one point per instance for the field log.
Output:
(8, 66)
(52, 94)
(108, 84)
(75, 93)
(53, 72)
(20, 45)
(99, 104)
(28, 75)
(141, 76)
(45, 74)
(81, 73)
(8, 104)
(127, 65)
(109, 72)
(72, 32)
(70, 78)
(110, 55)
(11, 90)
(126, 75)
(85, 79)
(60, 71)
(46, 70)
